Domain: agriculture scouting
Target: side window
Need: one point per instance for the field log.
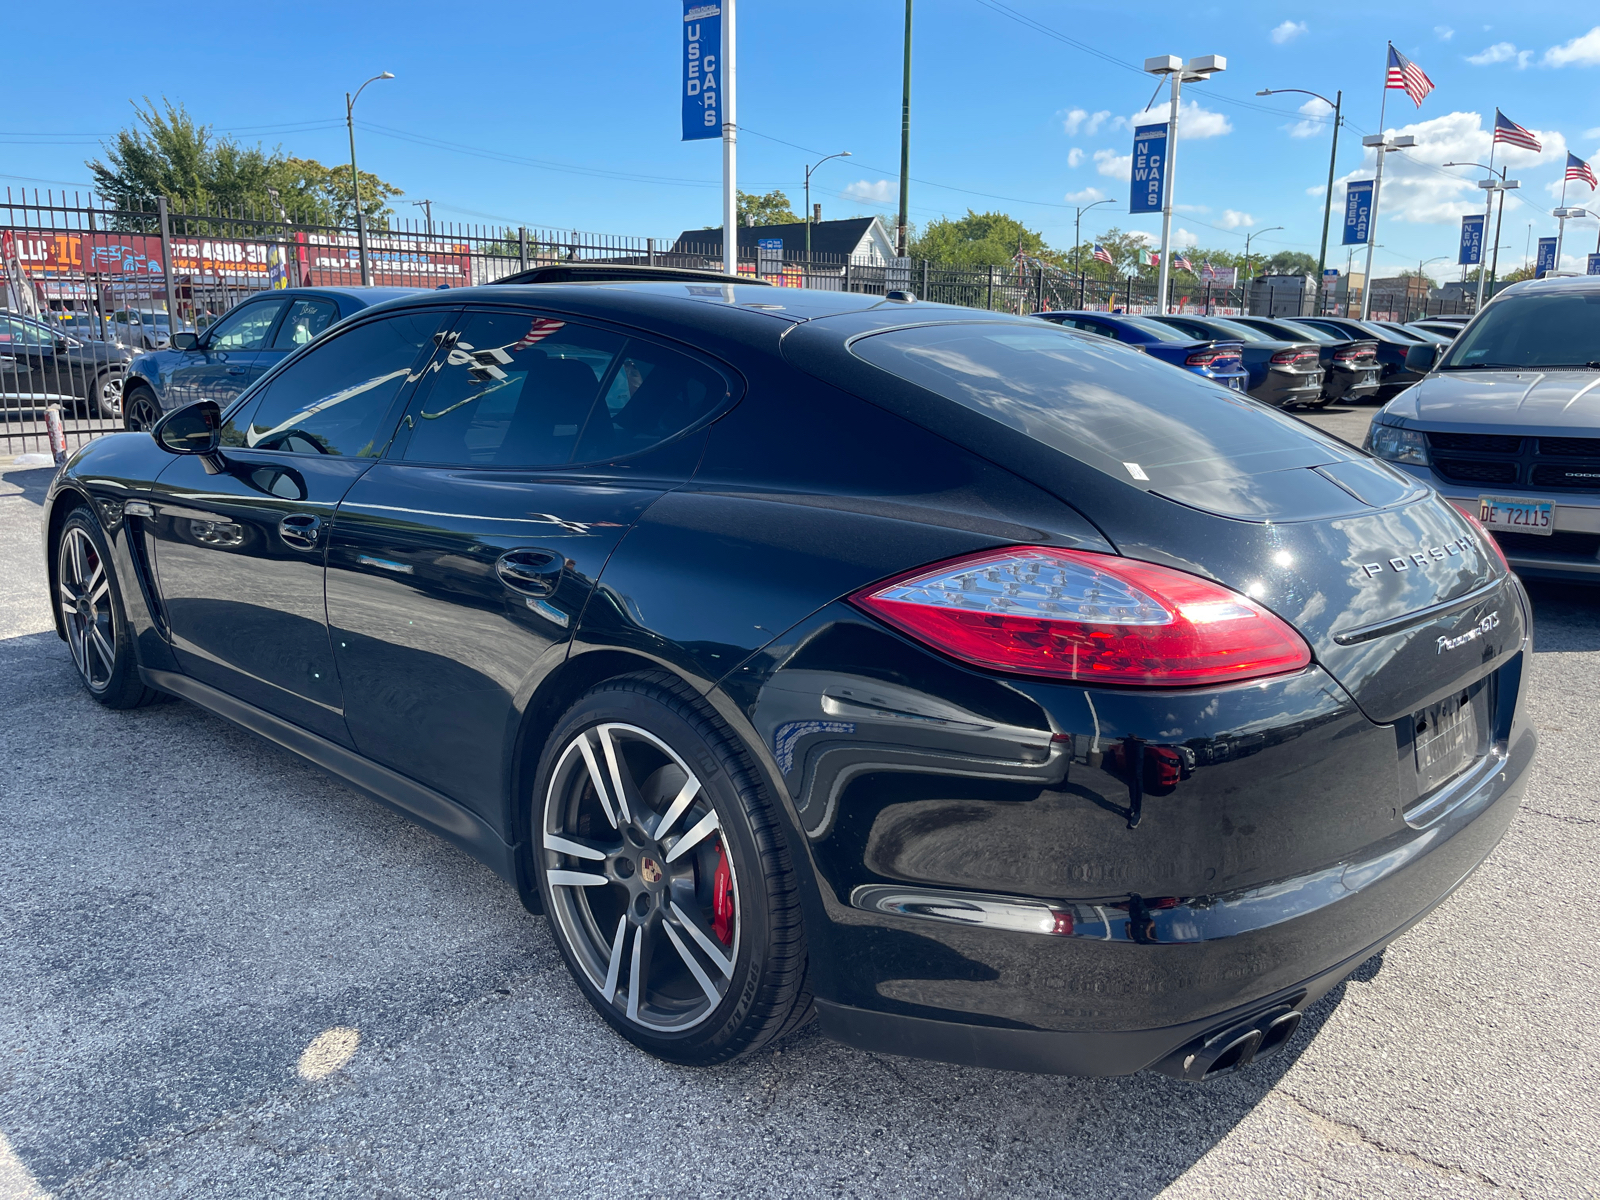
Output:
(515, 391)
(336, 400)
(19, 333)
(1094, 327)
(305, 321)
(246, 327)
(655, 394)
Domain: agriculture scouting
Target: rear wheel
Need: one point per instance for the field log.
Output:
(92, 613)
(664, 875)
(105, 398)
(143, 412)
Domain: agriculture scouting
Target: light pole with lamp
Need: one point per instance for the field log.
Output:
(1077, 242)
(811, 168)
(1384, 147)
(355, 178)
(1423, 279)
(1574, 213)
(1196, 70)
(1561, 235)
(1333, 157)
(1247, 239)
(1492, 185)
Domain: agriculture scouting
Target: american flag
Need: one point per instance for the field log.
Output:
(1207, 271)
(1101, 254)
(1578, 169)
(1182, 263)
(1507, 130)
(1407, 76)
(541, 328)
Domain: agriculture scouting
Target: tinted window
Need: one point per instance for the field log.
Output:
(336, 400)
(1297, 333)
(1560, 329)
(514, 390)
(654, 394)
(1112, 410)
(1162, 333)
(305, 320)
(21, 333)
(245, 328)
(1229, 329)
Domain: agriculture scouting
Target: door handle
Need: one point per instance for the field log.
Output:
(531, 572)
(235, 370)
(302, 531)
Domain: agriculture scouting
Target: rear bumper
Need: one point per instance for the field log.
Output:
(1281, 386)
(1280, 961)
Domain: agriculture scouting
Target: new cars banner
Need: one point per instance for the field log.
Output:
(1149, 168)
(1546, 261)
(1594, 264)
(702, 47)
(1471, 241)
(1357, 211)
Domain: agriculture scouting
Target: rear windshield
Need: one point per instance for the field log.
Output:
(1162, 333)
(1305, 333)
(1130, 416)
(1242, 332)
(1542, 330)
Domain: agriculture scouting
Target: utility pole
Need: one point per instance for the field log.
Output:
(905, 145)
(1196, 70)
(355, 177)
(730, 146)
(427, 207)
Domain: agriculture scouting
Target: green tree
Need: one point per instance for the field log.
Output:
(1288, 262)
(771, 209)
(1523, 272)
(988, 239)
(166, 152)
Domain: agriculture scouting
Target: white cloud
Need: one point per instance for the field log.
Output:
(872, 193)
(1498, 53)
(1418, 189)
(1113, 165)
(1193, 121)
(1081, 119)
(1075, 157)
(1087, 196)
(1183, 239)
(1287, 32)
(1583, 51)
(1315, 110)
(1232, 219)
(1443, 32)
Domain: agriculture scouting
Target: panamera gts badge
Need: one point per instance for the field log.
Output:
(1492, 621)
(1421, 558)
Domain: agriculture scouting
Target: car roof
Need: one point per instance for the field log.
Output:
(604, 272)
(1554, 283)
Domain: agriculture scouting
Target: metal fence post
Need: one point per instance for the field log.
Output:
(166, 265)
(522, 245)
(924, 279)
(989, 301)
(651, 243)
(848, 286)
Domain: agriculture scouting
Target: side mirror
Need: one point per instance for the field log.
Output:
(184, 341)
(193, 429)
(63, 344)
(1423, 358)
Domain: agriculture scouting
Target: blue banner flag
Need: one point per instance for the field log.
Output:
(1149, 168)
(1357, 211)
(1594, 264)
(1471, 241)
(1546, 261)
(702, 48)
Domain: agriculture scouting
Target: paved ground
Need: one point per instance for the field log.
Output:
(222, 974)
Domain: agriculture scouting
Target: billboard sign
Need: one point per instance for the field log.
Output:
(702, 48)
(1357, 212)
(1149, 169)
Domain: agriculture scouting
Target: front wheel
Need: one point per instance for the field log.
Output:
(664, 875)
(142, 410)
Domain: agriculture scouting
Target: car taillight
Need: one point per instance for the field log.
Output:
(1346, 354)
(1203, 358)
(1094, 618)
(1286, 358)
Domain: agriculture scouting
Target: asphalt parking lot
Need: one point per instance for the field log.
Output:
(223, 974)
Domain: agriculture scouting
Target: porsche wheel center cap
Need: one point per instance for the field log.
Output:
(650, 870)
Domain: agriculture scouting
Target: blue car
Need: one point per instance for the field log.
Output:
(1216, 359)
(236, 350)
(1506, 424)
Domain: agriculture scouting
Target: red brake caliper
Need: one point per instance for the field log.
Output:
(722, 899)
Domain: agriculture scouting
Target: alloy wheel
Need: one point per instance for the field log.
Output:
(111, 396)
(142, 415)
(84, 593)
(642, 888)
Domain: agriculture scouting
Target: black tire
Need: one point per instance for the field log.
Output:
(140, 408)
(105, 396)
(89, 600)
(749, 985)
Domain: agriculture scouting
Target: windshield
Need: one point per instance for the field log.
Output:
(1162, 333)
(1550, 329)
(1127, 415)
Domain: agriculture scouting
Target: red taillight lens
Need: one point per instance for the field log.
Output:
(1285, 358)
(1203, 359)
(1483, 532)
(1095, 618)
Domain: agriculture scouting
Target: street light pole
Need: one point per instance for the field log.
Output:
(1422, 279)
(1247, 239)
(1196, 70)
(1492, 185)
(809, 169)
(1333, 157)
(1384, 147)
(905, 149)
(355, 177)
(1077, 242)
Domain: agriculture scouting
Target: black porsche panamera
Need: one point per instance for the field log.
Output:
(987, 689)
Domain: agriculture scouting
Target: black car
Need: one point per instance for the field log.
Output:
(1350, 369)
(1392, 346)
(987, 688)
(1285, 372)
(612, 272)
(41, 365)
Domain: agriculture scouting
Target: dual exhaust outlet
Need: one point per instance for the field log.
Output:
(1233, 1047)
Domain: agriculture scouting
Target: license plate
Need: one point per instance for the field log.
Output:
(1368, 377)
(1520, 516)
(1446, 740)
(1236, 384)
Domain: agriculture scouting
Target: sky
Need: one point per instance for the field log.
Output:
(568, 116)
